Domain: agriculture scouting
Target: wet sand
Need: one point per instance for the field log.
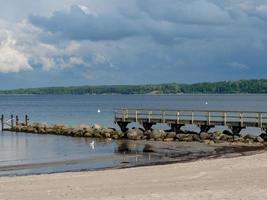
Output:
(130, 154)
(223, 178)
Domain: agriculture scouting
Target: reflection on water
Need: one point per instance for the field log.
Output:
(23, 154)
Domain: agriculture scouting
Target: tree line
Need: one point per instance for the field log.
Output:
(223, 87)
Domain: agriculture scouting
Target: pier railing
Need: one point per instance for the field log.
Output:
(197, 117)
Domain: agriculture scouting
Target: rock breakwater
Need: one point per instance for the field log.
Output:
(97, 131)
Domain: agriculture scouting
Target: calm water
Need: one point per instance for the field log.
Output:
(71, 109)
(32, 154)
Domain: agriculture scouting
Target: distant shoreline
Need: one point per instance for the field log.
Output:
(257, 86)
(186, 94)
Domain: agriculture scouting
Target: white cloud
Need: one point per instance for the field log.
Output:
(11, 59)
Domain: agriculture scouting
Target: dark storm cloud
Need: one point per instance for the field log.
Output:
(164, 21)
(78, 25)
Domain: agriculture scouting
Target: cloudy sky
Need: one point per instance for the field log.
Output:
(90, 42)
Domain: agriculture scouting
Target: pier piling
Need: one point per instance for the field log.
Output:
(2, 122)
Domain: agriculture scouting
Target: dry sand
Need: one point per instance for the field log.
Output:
(232, 178)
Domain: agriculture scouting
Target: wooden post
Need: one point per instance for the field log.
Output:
(17, 120)
(136, 116)
(225, 118)
(208, 118)
(124, 115)
(149, 116)
(192, 120)
(26, 120)
(241, 115)
(12, 121)
(177, 117)
(163, 116)
(2, 122)
(260, 120)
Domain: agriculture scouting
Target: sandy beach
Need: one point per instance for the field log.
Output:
(225, 178)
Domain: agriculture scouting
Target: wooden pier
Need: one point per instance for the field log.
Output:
(205, 119)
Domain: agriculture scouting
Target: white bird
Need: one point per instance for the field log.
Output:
(99, 111)
(206, 103)
(92, 145)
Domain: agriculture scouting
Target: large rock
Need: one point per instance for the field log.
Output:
(134, 134)
(204, 136)
(158, 134)
(106, 132)
(97, 126)
(170, 135)
(264, 136)
(78, 132)
(227, 132)
(259, 139)
(250, 137)
(117, 135)
(185, 137)
(239, 139)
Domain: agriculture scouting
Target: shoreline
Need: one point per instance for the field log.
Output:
(226, 150)
(223, 178)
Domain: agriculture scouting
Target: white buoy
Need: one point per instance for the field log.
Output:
(99, 111)
(206, 103)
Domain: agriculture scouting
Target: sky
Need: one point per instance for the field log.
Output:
(102, 42)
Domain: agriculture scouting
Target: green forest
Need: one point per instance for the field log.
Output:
(223, 87)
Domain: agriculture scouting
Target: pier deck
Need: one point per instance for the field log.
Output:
(205, 119)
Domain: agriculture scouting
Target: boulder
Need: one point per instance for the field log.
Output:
(88, 132)
(158, 134)
(264, 136)
(250, 137)
(227, 132)
(134, 134)
(196, 137)
(238, 139)
(204, 136)
(169, 139)
(170, 135)
(117, 135)
(78, 132)
(18, 128)
(185, 137)
(259, 139)
(97, 126)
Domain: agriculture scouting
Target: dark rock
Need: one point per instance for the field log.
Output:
(148, 149)
(264, 136)
(227, 132)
